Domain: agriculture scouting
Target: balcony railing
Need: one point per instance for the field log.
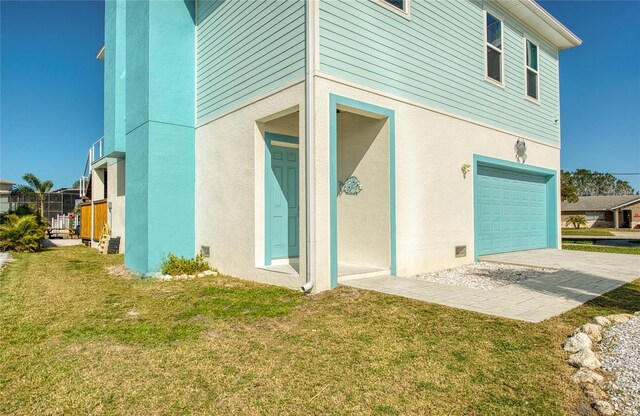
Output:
(95, 153)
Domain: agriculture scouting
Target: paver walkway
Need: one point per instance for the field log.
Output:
(581, 276)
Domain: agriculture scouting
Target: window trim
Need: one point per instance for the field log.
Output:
(405, 13)
(486, 44)
(526, 38)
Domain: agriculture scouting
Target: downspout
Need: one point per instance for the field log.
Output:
(309, 158)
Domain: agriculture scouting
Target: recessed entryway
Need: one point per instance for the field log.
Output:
(362, 195)
(282, 201)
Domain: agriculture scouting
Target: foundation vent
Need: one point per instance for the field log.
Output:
(205, 251)
(461, 251)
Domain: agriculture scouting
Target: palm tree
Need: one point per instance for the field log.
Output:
(36, 189)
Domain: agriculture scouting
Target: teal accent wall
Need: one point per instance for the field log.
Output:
(527, 194)
(114, 77)
(245, 49)
(160, 180)
(436, 58)
(334, 101)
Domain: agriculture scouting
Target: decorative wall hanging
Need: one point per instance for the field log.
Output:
(351, 186)
(521, 151)
(465, 169)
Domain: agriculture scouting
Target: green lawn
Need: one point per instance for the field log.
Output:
(75, 339)
(600, 232)
(588, 246)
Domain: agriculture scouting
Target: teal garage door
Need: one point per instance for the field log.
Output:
(511, 211)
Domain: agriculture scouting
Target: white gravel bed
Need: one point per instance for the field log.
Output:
(621, 355)
(4, 257)
(484, 275)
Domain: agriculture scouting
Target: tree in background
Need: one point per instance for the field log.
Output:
(590, 183)
(567, 190)
(36, 189)
(76, 185)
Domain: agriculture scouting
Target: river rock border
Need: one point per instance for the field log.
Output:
(206, 273)
(581, 345)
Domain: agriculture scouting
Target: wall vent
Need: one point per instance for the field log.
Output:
(461, 251)
(204, 250)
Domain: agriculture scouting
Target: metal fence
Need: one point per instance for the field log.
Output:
(55, 203)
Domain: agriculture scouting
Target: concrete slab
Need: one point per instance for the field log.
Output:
(580, 277)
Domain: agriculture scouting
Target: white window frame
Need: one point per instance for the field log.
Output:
(403, 13)
(526, 39)
(486, 44)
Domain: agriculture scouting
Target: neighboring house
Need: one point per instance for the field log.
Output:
(605, 211)
(5, 193)
(57, 202)
(299, 142)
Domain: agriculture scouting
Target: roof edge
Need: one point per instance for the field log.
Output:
(633, 201)
(553, 22)
(100, 54)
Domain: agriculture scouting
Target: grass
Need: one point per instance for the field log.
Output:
(588, 246)
(78, 340)
(600, 232)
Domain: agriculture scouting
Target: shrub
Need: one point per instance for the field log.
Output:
(576, 221)
(175, 265)
(21, 233)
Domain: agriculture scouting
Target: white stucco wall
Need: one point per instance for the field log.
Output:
(230, 184)
(363, 219)
(116, 196)
(434, 203)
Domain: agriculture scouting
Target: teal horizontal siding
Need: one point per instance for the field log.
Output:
(245, 49)
(437, 58)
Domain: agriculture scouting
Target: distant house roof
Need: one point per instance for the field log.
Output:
(600, 203)
(2, 181)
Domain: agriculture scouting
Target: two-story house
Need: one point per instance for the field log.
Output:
(302, 143)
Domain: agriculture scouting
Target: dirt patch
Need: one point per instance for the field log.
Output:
(119, 271)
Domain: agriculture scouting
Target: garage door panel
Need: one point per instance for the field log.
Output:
(512, 210)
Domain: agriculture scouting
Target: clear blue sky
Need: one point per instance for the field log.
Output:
(600, 86)
(51, 87)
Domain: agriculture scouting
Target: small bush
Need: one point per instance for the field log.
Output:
(175, 265)
(576, 221)
(21, 233)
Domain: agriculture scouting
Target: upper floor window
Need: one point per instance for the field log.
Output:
(399, 4)
(494, 47)
(532, 74)
(400, 7)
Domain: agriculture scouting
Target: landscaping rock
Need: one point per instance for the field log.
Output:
(601, 320)
(200, 274)
(584, 359)
(594, 392)
(619, 318)
(584, 375)
(621, 358)
(209, 273)
(637, 313)
(593, 331)
(578, 342)
(603, 408)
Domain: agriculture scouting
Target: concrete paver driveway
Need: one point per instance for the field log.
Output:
(580, 277)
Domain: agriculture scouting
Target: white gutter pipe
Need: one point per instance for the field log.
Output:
(309, 144)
